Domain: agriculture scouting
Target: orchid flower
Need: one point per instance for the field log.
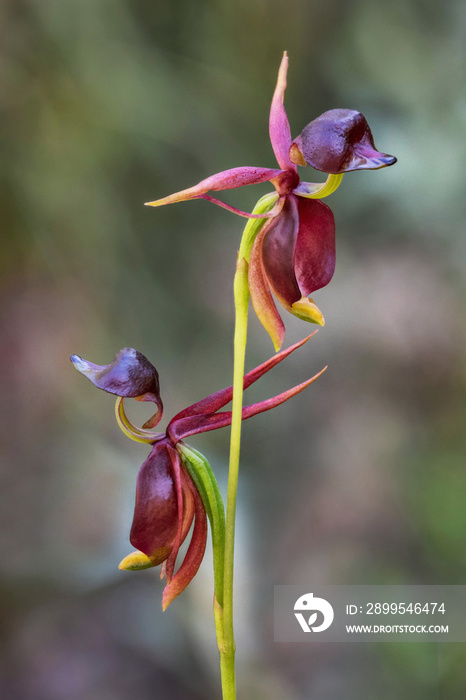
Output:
(167, 499)
(294, 252)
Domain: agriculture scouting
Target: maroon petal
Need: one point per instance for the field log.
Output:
(338, 141)
(193, 425)
(278, 253)
(314, 255)
(185, 511)
(279, 126)
(156, 513)
(225, 180)
(194, 555)
(215, 401)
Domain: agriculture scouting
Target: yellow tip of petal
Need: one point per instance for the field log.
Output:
(306, 310)
(136, 561)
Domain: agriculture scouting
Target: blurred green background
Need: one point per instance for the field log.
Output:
(106, 104)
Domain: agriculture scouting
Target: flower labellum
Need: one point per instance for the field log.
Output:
(338, 141)
(130, 375)
(167, 500)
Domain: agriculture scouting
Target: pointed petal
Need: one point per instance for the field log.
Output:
(156, 520)
(194, 555)
(225, 180)
(193, 425)
(314, 256)
(338, 141)
(259, 289)
(268, 404)
(215, 401)
(130, 375)
(278, 253)
(279, 126)
(185, 513)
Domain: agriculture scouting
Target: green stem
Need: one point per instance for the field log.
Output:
(241, 297)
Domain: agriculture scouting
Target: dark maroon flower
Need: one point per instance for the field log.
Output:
(294, 252)
(167, 501)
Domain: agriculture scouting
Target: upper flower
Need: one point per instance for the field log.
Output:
(167, 500)
(294, 252)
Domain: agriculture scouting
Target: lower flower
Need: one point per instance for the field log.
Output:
(168, 502)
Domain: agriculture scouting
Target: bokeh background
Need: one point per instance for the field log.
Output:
(106, 104)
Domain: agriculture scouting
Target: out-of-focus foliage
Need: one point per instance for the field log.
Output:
(106, 104)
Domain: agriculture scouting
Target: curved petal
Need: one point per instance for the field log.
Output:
(279, 126)
(225, 180)
(314, 255)
(314, 190)
(261, 298)
(338, 141)
(194, 555)
(278, 252)
(156, 512)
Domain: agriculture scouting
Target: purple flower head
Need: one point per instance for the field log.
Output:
(338, 141)
(167, 500)
(294, 252)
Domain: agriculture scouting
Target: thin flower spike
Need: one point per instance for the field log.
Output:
(294, 251)
(167, 500)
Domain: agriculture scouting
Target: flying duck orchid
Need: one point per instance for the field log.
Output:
(169, 494)
(293, 254)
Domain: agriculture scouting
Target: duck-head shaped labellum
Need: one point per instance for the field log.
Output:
(130, 375)
(338, 141)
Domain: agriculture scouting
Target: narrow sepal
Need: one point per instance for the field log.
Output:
(193, 425)
(225, 180)
(234, 210)
(194, 555)
(261, 297)
(279, 126)
(215, 401)
(181, 486)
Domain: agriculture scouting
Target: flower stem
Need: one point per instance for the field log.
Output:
(241, 297)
